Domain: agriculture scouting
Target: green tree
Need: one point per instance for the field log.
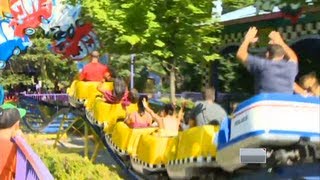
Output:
(234, 77)
(174, 31)
(143, 64)
(231, 5)
(49, 68)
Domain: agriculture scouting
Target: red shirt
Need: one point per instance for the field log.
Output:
(93, 72)
(8, 160)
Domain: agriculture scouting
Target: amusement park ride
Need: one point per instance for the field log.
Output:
(270, 136)
(268, 123)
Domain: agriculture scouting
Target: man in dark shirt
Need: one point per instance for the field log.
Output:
(95, 71)
(273, 74)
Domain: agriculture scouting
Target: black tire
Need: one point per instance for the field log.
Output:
(3, 64)
(29, 31)
(79, 23)
(71, 31)
(59, 35)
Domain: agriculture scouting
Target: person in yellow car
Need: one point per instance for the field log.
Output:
(207, 111)
(140, 118)
(169, 123)
(118, 94)
(131, 104)
(95, 71)
(309, 85)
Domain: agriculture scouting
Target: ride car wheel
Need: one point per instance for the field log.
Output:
(16, 51)
(2, 64)
(29, 31)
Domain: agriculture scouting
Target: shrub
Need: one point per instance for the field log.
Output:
(189, 102)
(70, 166)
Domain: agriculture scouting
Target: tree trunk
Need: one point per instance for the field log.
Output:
(172, 84)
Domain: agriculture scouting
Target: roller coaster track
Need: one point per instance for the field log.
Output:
(34, 112)
(99, 133)
(283, 172)
(37, 119)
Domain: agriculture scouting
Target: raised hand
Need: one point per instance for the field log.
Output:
(251, 35)
(144, 103)
(275, 38)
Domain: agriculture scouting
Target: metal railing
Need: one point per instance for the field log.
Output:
(48, 97)
(29, 165)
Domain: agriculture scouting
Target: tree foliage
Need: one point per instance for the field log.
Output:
(234, 77)
(38, 63)
(142, 66)
(174, 31)
(231, 5)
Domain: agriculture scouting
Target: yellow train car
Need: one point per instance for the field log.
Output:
(182, 156)
(124, 140)
(153, 153)
(86, 90)
(192, 153)
(195, 152)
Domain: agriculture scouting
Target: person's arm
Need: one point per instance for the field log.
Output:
(100, 87)
(129, 118)
(250, 37)
(82, 76)
(181, 112)
(298, 89)
(154, 115)
(275, 38)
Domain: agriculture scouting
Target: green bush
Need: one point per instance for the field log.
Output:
(189, 103)
(70, 166)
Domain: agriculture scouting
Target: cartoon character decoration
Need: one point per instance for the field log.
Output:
(72, 38)
(78, 45)
(28, 15)
(19, 19)
(1, 95)
(4, 8)
(64, 18)
(9, 44)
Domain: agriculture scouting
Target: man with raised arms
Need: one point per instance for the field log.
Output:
(273, 73)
